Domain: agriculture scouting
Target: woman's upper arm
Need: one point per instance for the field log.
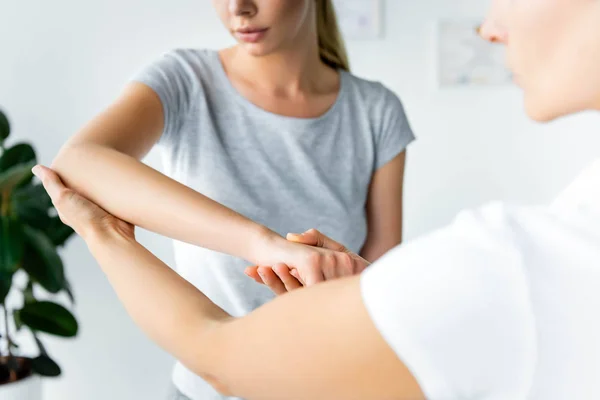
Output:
(384, 209)
(384, 201)
(154, 104)
(318, 343)
(131, 125)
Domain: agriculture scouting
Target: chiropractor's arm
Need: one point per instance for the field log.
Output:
(312, 344)
(102, 163)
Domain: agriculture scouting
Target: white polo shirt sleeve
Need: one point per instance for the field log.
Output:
(454, 308)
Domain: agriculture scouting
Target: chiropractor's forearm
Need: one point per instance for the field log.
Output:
(136, 193)
(166, 307)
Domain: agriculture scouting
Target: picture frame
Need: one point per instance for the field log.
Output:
(463, 59)
(359, 19)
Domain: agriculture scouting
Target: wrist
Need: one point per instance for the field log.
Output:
(103, 233)
(260, 248)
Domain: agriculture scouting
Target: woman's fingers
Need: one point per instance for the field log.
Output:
(271, 280)
(283, 272)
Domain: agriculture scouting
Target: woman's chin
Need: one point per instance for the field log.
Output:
(256, 49)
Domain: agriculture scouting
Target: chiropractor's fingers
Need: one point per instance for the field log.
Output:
(252, 272)
(337, 263)
(50, 180)
(313, 237)
(68, 204)
(283, 272)
(295, 274)
(75, 210)
(283, 277)
(272, 280)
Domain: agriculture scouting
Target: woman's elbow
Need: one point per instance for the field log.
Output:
(61, 162)
(71, 159)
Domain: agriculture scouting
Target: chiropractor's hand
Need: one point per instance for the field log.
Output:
(339, 262)
(79, 213)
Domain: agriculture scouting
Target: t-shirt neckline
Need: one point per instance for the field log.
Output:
(246, 103)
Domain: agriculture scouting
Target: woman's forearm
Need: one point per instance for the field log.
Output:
(136, 193)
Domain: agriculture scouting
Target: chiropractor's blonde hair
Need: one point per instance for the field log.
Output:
(331, 44)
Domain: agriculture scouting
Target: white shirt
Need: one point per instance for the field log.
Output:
(502, 304)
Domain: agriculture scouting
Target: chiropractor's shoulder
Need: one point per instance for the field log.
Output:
(454, 306)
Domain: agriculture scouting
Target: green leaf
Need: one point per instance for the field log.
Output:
(45, 366)
(18, 154)
(28, 296)
(39, 343)
(17, 319)
(69, 290)
(52, 318)
(35, 218)
(42, 262)
(31, 200)
(4, 127)
(58, 232)
(5, 284)
(11, 244)
(14, 176)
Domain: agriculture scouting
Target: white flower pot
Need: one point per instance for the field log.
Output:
(26, 389)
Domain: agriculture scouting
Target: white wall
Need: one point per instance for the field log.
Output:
(62, 61)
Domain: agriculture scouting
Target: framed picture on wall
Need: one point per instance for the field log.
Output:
(466, 60)
(359, 19)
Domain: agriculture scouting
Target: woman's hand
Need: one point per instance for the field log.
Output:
(85, 217)
(333, 261)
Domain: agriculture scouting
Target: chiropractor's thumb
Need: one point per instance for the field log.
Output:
(313, 237)
(50, 180)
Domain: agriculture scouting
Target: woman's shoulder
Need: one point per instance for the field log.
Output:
(372, 92)
(189, 59)
(181, 70)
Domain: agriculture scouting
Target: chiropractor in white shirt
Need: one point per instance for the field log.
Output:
(502, 304)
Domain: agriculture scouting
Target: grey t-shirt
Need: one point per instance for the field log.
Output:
(289, 174)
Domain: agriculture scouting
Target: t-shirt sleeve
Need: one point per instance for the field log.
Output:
(395, 132)
(172, 79)
(454, 308)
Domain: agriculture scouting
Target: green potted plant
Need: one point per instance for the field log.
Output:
(30, 269)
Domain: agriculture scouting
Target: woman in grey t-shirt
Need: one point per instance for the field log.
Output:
(271, 136)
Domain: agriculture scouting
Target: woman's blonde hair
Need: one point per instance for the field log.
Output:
(331, 43)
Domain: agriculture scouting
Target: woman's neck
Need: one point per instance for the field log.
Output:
(287, 72)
